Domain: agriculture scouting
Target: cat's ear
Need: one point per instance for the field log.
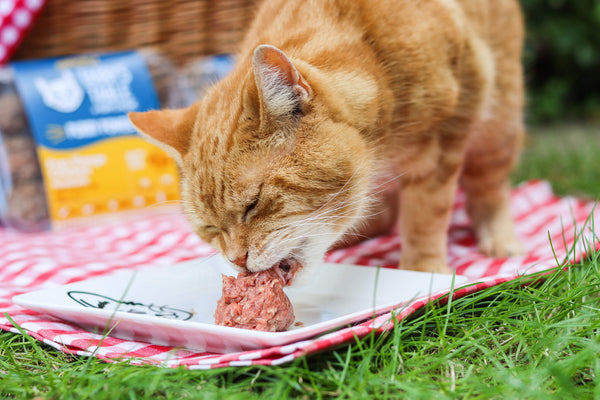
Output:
(169, 129)
(284, 93)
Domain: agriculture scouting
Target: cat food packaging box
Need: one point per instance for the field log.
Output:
(197, 75)
(68, 153)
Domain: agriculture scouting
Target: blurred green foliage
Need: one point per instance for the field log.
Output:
(562, 59)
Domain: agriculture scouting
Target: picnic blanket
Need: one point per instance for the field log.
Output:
(548, 226)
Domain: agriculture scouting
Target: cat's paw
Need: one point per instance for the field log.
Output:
(499, 244)
(438, 266)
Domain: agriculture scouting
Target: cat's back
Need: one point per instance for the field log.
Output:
(294, 22)
(412, 35)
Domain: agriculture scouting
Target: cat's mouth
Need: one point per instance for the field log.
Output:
(286, 269)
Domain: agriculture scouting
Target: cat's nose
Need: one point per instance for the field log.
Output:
(241, 260)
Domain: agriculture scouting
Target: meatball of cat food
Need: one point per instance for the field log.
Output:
(255, 301)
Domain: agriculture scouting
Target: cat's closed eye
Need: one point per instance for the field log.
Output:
(210, 230)
(252, 205)
(249, 208)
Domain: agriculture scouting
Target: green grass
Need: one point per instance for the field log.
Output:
(568, 156)
(519, 340)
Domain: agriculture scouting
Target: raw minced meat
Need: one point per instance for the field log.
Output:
(255, 301)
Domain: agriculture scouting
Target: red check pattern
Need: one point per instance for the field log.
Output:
(34, 261)
(16, 19)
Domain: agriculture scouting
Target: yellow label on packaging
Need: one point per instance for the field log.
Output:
(93, 161)
(112, 175)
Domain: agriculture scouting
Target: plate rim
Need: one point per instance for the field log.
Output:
(274, 338)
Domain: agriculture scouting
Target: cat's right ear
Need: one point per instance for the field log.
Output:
(168, 129)
(284, 92)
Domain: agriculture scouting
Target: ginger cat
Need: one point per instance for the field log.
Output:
(342, 115)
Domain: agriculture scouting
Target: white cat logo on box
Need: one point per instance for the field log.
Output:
(62, 94)
(92, 159)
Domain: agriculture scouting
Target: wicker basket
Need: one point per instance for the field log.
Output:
(182, 29)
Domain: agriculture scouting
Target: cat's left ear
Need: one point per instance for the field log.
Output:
(168, 129)
(284, 92)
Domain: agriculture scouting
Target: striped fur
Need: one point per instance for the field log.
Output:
(343, 117)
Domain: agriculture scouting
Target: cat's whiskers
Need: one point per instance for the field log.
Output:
(322, 212)
(164, 203)
(328, 214)
(306, 233)
(343, 188)
(333, 235)
(332, 215)
(316, 213)
(326, 223)
(303, 228)
(354, 210)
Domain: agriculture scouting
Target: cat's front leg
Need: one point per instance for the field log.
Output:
(425, 210)
(488, 206)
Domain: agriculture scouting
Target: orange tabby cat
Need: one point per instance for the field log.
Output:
(341, 114)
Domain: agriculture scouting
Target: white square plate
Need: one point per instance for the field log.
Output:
(174, 306)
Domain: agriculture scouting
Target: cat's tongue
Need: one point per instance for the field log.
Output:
(286, 269)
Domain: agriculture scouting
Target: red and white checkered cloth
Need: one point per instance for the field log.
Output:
(16, 19)
(34, 261)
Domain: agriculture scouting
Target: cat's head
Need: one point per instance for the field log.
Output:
(270, 175)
